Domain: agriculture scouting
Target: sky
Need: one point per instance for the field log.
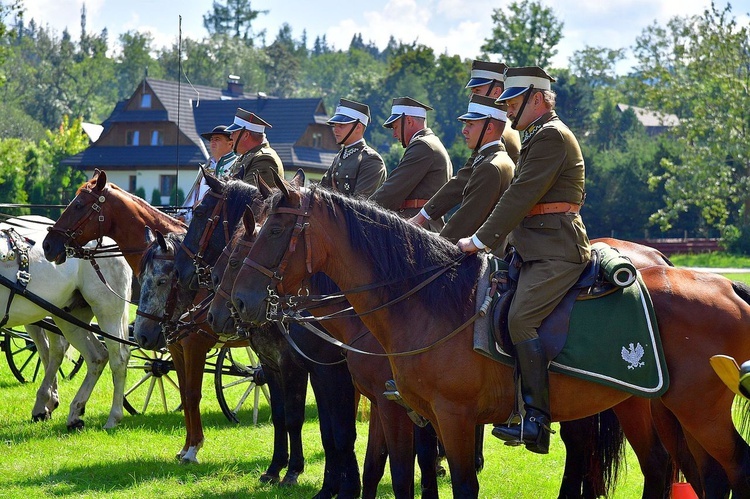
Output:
(445, 25)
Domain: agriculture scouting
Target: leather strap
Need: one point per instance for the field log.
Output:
(413, 203)
(546, 208)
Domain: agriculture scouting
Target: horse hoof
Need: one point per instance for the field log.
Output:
(77, 425)
(187, 460)
(440, 470)
(268, 478)
(290, 479)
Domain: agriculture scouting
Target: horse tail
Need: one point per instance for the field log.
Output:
(609, 452)
(742, 290)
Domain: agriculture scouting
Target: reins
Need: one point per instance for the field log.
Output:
(202, 268)
(276, 311)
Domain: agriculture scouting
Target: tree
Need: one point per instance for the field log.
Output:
(234, 18)
(596, 65)
(698, 68)
(284, 64)
(135, 62)
(525, 34)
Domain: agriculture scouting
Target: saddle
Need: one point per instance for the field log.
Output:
(605, 273)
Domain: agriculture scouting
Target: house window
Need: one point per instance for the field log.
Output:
(317, 140)
(133, 137)
(132, 184)
(167, 184)
(146, 101)
(157, 139)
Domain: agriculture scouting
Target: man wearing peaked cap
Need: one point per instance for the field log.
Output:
(424, 168)
(540, 215)
(477, 186)
(357, 169)
(221, 158)
(256, 159)
(487, 78)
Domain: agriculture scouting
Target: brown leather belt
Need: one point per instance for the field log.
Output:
(545, 208)
(413, 203)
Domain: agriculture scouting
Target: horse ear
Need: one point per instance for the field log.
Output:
(299, 178)
(265, 191)
(101, 180)
(212, 181)
(280, 183)
(97, 171)
(162, 242)
(248, 220)
(149, 235)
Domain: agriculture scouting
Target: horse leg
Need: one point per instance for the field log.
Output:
(119, 354)
(280, 456)
(294, 382)
(334, 393)
(376, 455)
(176, 350)
(577, 437)
(47, 398)
(479, 448)
(47, 346)
(194, 351)
(456, 431)
(656, 465)
(95, 356)
(426, 446)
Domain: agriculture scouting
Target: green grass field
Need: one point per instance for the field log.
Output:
(137, 458)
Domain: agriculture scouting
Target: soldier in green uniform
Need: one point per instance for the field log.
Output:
(357, 170)
(540, 215)
(424, 168)
(255, 157)
(487, 79)
(477, 186)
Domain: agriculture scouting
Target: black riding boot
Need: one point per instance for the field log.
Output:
(535, 428)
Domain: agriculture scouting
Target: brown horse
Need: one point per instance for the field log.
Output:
(103, 209)
(391, 432)
(373, 253)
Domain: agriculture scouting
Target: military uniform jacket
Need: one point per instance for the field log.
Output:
(550, 169)
(424, 168)
(512, 143)
(356, 170)
(258, 161)
(477, 187)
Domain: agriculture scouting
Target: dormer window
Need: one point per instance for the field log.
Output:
(133, 137)
(157, 139)
(146, 101)
(317, 140)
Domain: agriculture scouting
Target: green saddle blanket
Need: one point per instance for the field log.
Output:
(613, 340)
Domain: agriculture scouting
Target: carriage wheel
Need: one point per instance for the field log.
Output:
(24, 361)
(156, 388)
(239, 382)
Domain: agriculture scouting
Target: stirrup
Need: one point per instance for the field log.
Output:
(392, 394)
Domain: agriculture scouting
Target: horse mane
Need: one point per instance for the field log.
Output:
(173, 240)
(240, 194)
(396, 248)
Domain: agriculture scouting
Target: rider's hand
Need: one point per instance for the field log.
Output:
(467, 245)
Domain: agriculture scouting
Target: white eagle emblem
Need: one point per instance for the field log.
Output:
(633, 356)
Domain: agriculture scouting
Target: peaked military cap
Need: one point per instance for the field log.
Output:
(218, 130)
(406, 106)
(482, 107)
(484, 72)
(249, 121)
(349, 111)
(519, 80)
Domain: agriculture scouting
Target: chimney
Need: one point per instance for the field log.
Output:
(234, 86)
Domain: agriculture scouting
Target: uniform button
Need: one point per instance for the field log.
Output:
(497, 235)
(541, 224)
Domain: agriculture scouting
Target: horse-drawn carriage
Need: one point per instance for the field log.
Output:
(238, 377)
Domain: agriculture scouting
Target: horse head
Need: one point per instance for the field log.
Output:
(281, 241)
(83, 220)
(221, 315)
(214, 220)
(161, 300)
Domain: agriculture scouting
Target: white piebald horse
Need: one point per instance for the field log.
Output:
(73, 285)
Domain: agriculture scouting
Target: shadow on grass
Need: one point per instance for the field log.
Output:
(124, 476)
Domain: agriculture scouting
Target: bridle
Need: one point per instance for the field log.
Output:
(203, 268)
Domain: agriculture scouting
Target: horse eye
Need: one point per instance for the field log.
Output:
(162, 281)
(234, 263)
(275, 231)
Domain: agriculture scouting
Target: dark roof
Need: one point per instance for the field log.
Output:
(307, 157)
(289, 118)
(129, 156)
